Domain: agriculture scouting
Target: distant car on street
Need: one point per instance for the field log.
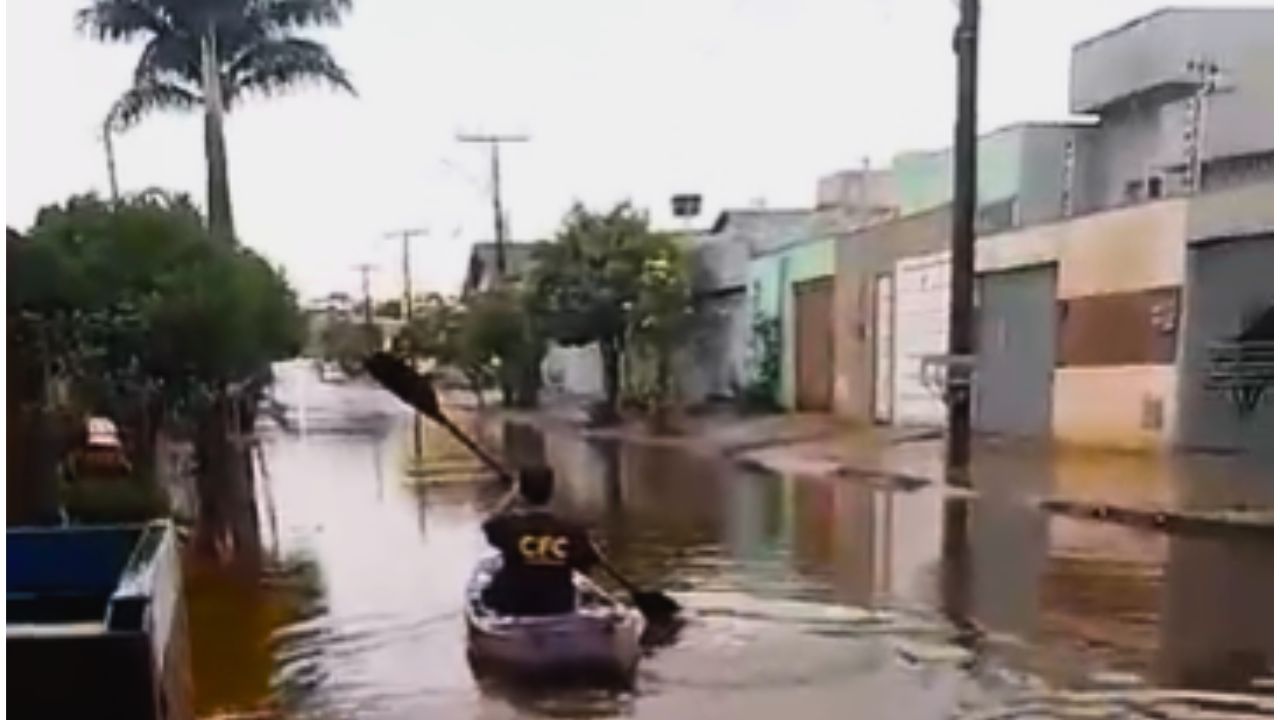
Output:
(102, 454)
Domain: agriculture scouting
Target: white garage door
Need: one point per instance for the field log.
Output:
(922, 288)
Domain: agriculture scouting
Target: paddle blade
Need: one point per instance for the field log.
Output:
(404, 382)
(655, 606)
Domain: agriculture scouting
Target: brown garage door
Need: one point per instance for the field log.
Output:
(814, 345)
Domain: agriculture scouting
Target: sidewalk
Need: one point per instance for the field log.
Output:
(1177, 491)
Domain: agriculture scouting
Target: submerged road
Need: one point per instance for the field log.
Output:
(808, 599)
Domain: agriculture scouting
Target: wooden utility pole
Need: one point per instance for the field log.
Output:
(964, 203)
(495, 167)
(364, 269)
(405, 268)
(405, 236)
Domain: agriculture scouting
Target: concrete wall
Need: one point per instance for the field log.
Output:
(1240, 211)
(1135, 78)
(574, 371)
(1119, 251)
(924, 181)
(772, 276)
(712, 364)
(859, 258)
(1152, 51)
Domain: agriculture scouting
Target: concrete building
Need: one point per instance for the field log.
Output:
(482, 266)
(715, 363)
(573, 371)
(1120, 319)
(1171, 91)
(1021, 180)
(1120, 328)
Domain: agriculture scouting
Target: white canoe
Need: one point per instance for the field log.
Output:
(599, 641)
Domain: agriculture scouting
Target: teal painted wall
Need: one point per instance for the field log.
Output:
(923, 179)
(771, 278)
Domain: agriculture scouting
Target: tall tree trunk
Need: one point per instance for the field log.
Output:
(221, 224)
(228, 507)
(611, 358)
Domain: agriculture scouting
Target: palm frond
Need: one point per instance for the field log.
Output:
(273, 66)
(167, 55)
(150, 95)
(122, 20)
(282, 16)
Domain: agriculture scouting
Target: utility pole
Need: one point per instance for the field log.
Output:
(405, 236)
(364, 269)
(958, 395)
(495, 167)
(405, 268)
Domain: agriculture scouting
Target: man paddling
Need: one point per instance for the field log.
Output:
(540, 552)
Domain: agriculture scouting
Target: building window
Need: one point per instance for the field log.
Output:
(1155, 188)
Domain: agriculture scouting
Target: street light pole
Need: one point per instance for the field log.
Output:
(964, 203)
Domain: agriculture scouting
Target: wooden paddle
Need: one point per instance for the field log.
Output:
(418, 392)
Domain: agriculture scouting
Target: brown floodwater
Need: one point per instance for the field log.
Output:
(806, 598)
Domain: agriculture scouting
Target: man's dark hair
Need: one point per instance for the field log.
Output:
(536, 484)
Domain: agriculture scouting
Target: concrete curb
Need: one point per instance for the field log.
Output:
(1251, 522)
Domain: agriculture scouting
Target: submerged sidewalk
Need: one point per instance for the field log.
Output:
(1174, 490)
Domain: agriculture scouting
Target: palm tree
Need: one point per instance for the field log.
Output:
(212, 54)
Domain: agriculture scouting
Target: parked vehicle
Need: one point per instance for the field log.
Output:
(96, 623)
(102, 455)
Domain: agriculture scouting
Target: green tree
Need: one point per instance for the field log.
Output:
(585, 282)
(661, 316)
(348, 342)
(133, 309)
(213, 54)
(497, 328)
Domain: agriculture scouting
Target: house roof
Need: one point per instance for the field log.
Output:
(484, 260)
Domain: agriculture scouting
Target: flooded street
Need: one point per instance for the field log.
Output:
(807, 598)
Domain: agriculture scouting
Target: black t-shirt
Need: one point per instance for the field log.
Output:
(540, 552)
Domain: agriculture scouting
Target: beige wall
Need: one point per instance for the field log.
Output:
(1121, 250)
(1105, 406)
(1240, 211)
(859, 258)
(1126, 249)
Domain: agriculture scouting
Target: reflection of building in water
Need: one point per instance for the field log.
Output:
(875, 546)
(755, 524)
(1102, 586)
(1009, 554)
(1183, 611)
(1216, 615)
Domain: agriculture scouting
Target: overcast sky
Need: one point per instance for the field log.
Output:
(741, 100)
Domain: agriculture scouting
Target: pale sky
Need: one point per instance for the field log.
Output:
(736, 99)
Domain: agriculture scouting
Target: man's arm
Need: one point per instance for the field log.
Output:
(493, 526)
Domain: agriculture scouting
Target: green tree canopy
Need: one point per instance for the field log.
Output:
(134, 300)
(603, 277)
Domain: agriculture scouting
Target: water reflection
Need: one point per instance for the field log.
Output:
(808, 598)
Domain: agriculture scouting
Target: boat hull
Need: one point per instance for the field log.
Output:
(598, 642)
